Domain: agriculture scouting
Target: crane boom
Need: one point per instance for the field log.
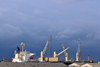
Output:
(78, 55)
(62, 51)
(45, 47)
(63, 48)
(79, 48)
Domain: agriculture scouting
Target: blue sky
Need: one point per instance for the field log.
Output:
(32, 22)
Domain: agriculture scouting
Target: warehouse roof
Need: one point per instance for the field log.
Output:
(79, 64)
(93, 64)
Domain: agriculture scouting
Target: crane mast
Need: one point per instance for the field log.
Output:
(66, 53)
(43, 52)
(78, 52)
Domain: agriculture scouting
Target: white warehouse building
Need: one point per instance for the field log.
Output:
(91, 65)
(76, 65)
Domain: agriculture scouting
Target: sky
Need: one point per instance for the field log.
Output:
(33, 21)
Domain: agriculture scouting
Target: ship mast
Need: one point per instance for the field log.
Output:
(22, 46)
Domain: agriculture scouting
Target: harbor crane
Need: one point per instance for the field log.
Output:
(66, 53)
(55, 55)
(78, 52)
(55, 58)
(44, 50)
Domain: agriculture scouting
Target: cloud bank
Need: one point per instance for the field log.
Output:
(33, 22)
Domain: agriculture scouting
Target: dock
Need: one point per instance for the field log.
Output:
(32, 64)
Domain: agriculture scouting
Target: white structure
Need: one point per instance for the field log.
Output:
(23, 56)
(75, 64)
(91, 65)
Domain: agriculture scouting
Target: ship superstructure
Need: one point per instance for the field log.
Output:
(22, 56)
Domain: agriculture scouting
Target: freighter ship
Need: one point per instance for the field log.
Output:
(22, 56)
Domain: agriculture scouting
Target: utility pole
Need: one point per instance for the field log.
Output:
(50, 49)
(50, 45)
(79, 49)
(88, 57)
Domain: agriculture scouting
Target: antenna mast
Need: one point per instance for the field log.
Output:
(50, 45)
(79, 49)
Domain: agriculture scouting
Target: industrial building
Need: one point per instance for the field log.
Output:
(91, 65)
(76, 65)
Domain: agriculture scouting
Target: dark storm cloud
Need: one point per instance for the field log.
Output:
(32, 22)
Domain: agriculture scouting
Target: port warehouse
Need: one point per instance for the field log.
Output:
(84, 65)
